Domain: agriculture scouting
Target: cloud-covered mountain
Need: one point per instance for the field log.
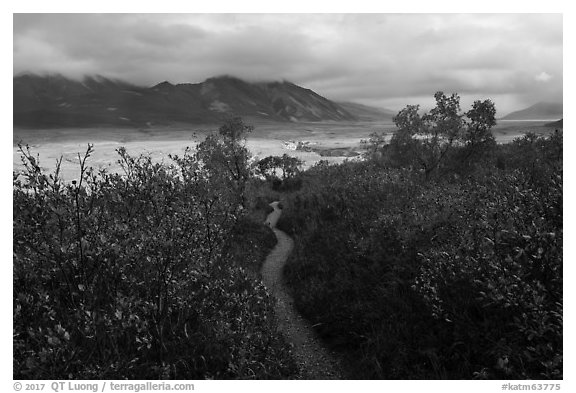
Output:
(347, 57)
(56, 101)
(539, 111)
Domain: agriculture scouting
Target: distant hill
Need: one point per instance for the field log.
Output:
(367, 113)
(56, 101)
(539, 111)
(556, 124)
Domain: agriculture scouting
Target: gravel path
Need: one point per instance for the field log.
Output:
(314, 361)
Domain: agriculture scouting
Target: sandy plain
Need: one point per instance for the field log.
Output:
(160, 141)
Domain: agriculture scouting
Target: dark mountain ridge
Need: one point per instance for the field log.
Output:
(57, 101)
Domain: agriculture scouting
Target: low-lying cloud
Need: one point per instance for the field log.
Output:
(381, 59)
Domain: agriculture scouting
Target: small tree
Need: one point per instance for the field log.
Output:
(269, 167)
(442, 128)
(482, 118)
(478, 138)
(404, 149)
(290, 166)
(225, 158)
(427, 140)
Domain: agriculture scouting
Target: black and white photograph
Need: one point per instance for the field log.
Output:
(286, 196)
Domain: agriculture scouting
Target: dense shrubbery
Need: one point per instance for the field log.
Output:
(433, 258)
(149, 274)
(456, 275)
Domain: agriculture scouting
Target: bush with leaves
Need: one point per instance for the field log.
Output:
(442, 139)
(136, 275)
(498, 281)
(290, 167)
(438, 278)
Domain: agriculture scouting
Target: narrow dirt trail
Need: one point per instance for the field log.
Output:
(314, 361)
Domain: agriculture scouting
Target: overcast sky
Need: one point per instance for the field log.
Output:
(387, 60)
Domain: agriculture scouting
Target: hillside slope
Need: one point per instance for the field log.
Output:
(368, 113)
(556, 124)
(539, 111)
(56, 101)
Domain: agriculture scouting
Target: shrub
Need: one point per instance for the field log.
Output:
(141, 276)
(445, 278)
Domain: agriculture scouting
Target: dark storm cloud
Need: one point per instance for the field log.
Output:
(370, 58)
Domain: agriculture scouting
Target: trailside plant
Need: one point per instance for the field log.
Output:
(136, 275)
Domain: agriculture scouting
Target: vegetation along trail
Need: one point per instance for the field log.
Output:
(314, 361)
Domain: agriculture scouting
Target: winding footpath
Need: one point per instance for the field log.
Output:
(314, 361)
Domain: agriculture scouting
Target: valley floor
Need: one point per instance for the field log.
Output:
(266, 139)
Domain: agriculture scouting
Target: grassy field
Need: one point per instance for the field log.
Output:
(267, 139)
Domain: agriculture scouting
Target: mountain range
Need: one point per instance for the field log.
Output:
(44, 101)
(57, 101)
(539, 111)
